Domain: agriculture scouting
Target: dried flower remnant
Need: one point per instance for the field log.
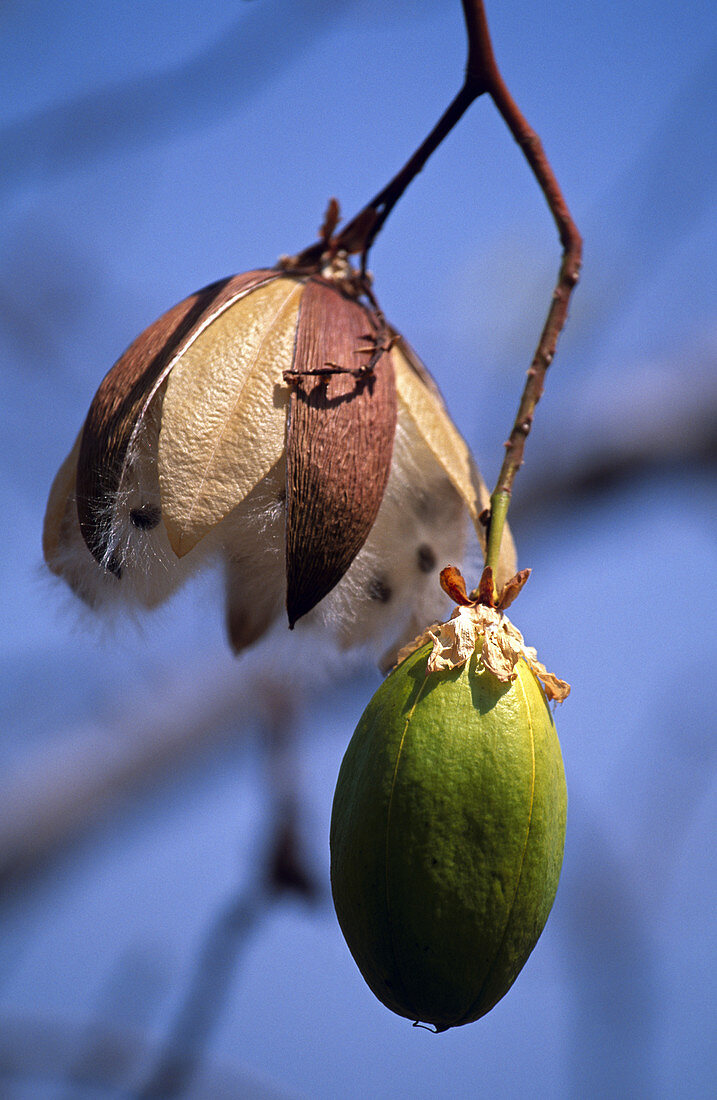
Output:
(478, 623)
(273, 422)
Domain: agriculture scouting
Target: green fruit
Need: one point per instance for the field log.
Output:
(447, 836)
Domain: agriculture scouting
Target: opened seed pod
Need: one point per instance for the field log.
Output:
(274, 423)
(448, 824)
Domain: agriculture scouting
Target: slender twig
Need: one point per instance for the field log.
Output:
(359, 234)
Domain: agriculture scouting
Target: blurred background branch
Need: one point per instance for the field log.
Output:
(209, 84)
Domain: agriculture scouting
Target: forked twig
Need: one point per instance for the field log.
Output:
(482, 72)
(482, 77)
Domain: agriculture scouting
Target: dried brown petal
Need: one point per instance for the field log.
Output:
(391, 658)
(353, 235)
(453, 585)
(556, 690)
(498, 656)
(453, 642)
(486, 590)
(339, 442)
(512, 589)
(124, 396)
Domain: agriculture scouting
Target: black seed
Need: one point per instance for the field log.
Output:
(379, 589)
(146, 517)
(425, 558)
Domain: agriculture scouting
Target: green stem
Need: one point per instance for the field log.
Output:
(499, 503)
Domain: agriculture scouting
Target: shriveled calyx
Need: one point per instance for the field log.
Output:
(479, 624)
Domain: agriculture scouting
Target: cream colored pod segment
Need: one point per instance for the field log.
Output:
(224, 412)
(221, 460)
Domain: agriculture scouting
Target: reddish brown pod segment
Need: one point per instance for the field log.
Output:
(342, 422)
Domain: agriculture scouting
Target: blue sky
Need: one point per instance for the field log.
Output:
(152, 148)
